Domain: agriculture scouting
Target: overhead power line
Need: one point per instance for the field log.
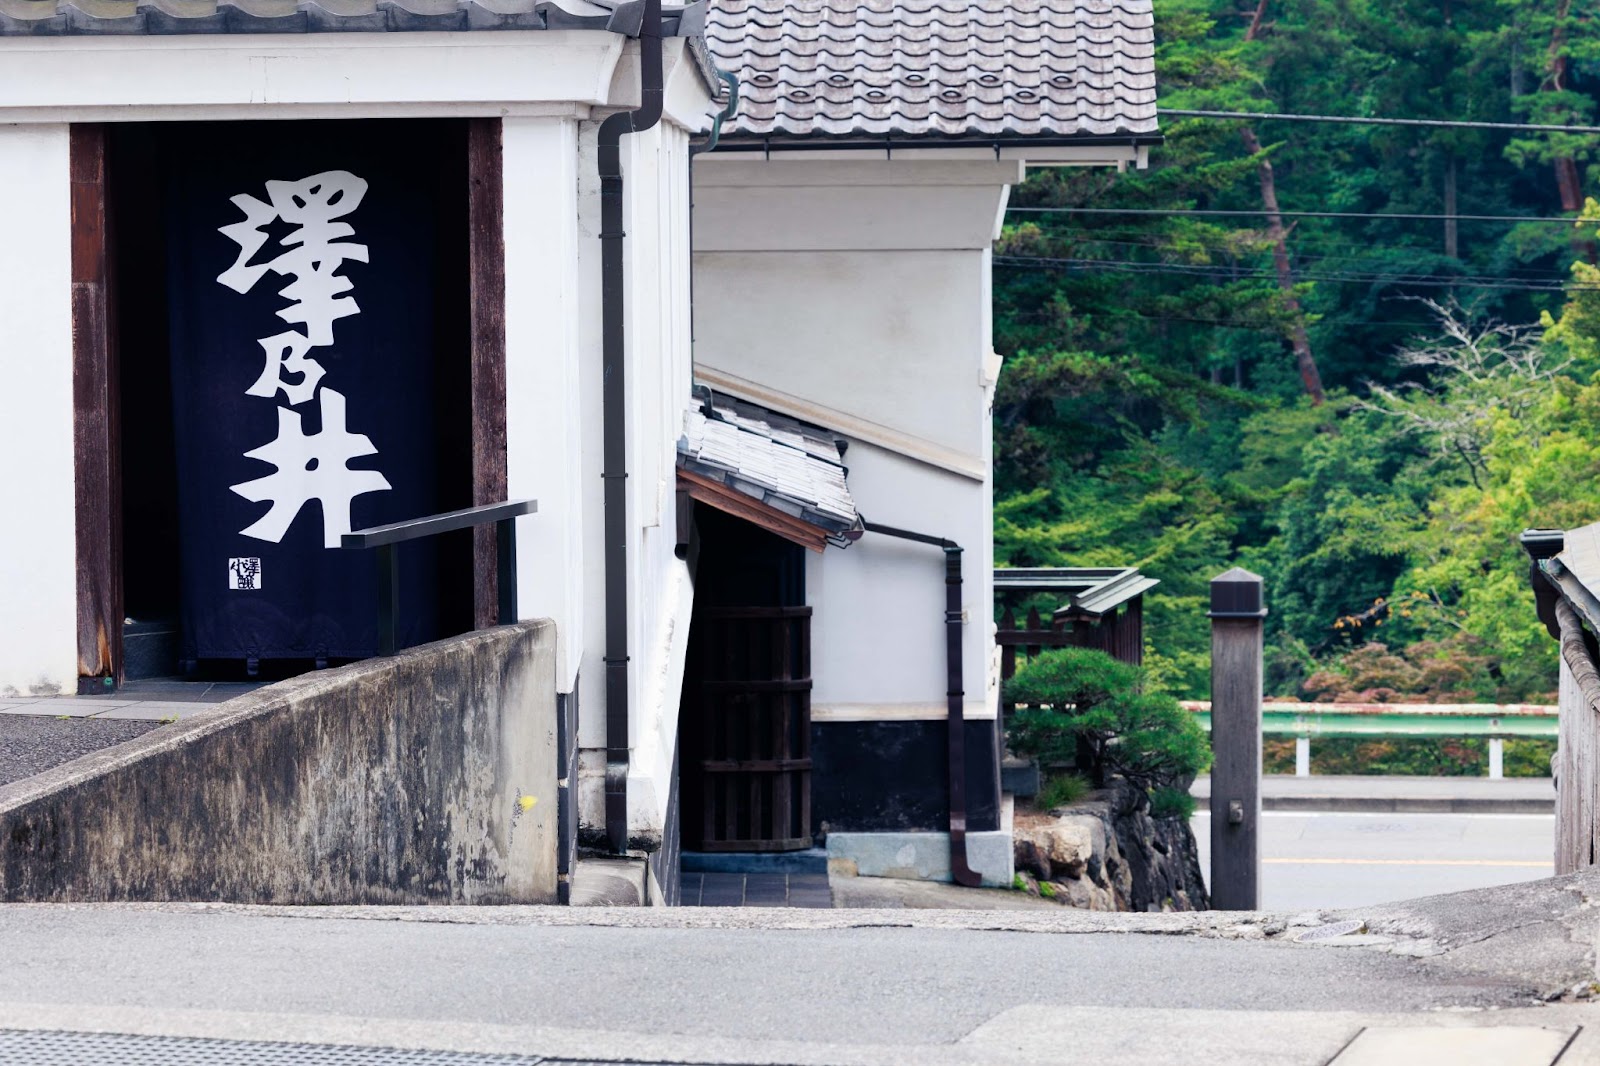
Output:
(1367, 255)
(1291, 214)
(1343, 277)
(1350, 120)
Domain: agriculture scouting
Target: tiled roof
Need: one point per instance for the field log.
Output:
(72, 17)
(776, 460)
(946, 68)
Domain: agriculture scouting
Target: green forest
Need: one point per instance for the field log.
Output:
(1366, 411)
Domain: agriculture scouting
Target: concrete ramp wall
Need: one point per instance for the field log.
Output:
(429, 777)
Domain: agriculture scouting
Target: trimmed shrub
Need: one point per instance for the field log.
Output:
(1081, 707)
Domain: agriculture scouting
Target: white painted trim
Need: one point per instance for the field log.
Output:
(256, 112)
(686, 101)
(974, 711)
(202, 75)
(1089, 155)
(539, 160)
(918, 448)
(989, 376)
(784, 171)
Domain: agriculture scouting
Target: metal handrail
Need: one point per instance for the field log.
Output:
(389, 537)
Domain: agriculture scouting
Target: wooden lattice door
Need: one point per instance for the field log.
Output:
(750, 705)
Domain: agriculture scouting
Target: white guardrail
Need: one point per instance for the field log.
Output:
(1437, 720)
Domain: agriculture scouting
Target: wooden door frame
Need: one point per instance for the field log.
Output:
(487, 296)
(97, 414)
(97, 408)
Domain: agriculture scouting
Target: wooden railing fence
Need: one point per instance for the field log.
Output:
(1119, 633)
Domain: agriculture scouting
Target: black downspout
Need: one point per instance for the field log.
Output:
(613, 400)
(955, 715)
(710, 143)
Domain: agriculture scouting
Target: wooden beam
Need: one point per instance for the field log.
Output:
(731, 501)
(487, 278)
(97, 472)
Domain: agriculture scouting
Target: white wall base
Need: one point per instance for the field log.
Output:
(924, 856)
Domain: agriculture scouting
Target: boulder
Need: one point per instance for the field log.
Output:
(1106, 852)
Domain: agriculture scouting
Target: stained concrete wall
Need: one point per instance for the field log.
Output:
(429, 777)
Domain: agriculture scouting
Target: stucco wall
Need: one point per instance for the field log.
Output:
(38, 578)
(660, 594)
(878, 637)
(428, 777)
(857, 297)
(892, 337)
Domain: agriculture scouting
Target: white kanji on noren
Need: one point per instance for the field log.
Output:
(315, 252)
(287, 353)
(311, 467)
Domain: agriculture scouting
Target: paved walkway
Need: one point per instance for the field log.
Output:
(40, 732)
(756, 890)
(1436, 795)
(137, 701)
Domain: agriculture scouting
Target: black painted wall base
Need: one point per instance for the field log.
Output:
(892, 776)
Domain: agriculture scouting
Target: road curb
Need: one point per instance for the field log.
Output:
(1406, 805)
(1399, 805)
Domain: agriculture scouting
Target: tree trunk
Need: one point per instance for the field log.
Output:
(1568, 183)
(1305, 362)
(1452, 244)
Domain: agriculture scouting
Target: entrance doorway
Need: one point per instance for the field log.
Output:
(147, 421)
(746, 710)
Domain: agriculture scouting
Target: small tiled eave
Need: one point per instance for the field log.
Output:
(72, 18)
(773, 471)
(860, 73)
(1093, 591)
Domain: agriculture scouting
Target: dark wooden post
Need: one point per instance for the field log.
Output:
(1236, 623)
(96, 433)
(487, 254)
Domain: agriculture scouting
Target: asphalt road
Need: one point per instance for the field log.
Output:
(813, 987)
(1353, 860)
(890, 986)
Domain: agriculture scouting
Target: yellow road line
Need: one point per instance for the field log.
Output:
(1409, 862)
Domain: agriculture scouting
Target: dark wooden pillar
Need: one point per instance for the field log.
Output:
(486, 218)
(1236, 624)
(97, 496)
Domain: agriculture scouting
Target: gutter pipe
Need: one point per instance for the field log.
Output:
(731, 80)
(614, 415)
(955, 719)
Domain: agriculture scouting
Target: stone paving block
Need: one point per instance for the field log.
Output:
(152, 711)
(1410, 1046)
(766, 890)
(66, 706)
(722, 890)
(766, 881)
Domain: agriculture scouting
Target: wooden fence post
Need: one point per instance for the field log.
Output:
(1236, 624)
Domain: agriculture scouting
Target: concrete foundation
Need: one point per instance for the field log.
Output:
(921, 856)
(428, 777)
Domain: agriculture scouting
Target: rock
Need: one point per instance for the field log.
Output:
(1055, 851)
(1106, 852)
